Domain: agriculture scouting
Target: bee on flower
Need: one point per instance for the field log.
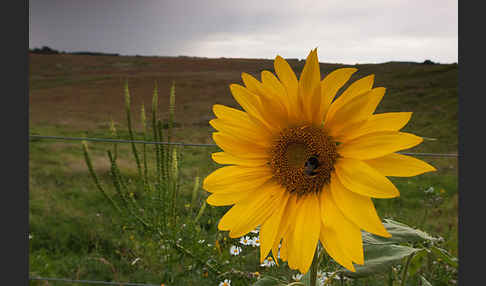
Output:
(235, 250)
(226, 282)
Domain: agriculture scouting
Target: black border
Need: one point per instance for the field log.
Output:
(14, 118)
(471, 158)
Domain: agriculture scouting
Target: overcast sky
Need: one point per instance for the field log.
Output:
(349, 32)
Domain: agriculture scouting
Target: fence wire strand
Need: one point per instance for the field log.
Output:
(437, 155)
(91, 281)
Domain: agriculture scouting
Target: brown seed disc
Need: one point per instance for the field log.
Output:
(303, 159)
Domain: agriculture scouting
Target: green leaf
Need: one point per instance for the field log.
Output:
(400, 233)
(417, 261)
(268, 281)
(379, 258)
(444, 255)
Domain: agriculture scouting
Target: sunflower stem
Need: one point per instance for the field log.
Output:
(405, 269)
(314, 267)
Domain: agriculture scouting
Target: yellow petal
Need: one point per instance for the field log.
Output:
(289, 81)
(283, 250)
(329, 240)
(286, 222)
(228, 159)
(271, 82)
(251, 212)
(269, 229)
(391, 121)
(240, 118)
(357, 208)
(357, 88)
(224, 199)
(232, 179)
(347, 234)
(237, 147)
(378, 144)
(356, 110)
(272, 109)
(330, 85)
(250, 102)
(306, 230)
(293, 253)
(398, 165)
(360, 178)
(308, 83)
(240, 132)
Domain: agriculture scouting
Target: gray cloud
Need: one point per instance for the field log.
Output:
(355, 32)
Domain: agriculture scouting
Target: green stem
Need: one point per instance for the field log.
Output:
(405, 269)
(95, 178)
(314, 267)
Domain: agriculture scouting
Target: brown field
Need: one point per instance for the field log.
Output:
(83, 92)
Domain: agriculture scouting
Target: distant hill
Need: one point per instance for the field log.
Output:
(45, 50)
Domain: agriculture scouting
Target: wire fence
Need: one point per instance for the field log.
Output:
(108, 140)
(92, 282)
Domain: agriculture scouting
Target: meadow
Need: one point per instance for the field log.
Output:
(75, 233)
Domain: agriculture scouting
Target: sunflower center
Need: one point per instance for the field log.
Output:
(303, 159)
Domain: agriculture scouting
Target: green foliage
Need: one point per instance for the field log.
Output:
(380, 258)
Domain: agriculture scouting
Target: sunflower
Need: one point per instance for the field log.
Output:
(305, 166)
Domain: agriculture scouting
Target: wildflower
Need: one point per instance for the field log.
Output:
(226, 282)
(256, 275)
(268, 262)
(235, 250)
(201, 241)
(321, 277)
(255, 241)
(246, 240)
(297, 277)
(304, 165)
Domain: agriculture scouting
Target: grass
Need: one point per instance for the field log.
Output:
(76, 233)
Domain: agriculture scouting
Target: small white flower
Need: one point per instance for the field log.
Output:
(135, 261)
(201, 241)
(297, 276)
(269, 262)
(246, 240)
(235, 250)
(30, 236)
(226, 282)
(255, 241)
